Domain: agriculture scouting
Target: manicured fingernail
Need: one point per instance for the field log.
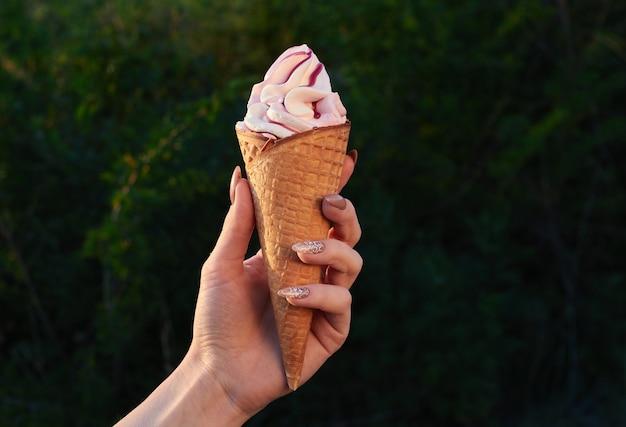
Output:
(354, 154)
(234, 179)
(308, 247)
(336, 200)
(297, 292)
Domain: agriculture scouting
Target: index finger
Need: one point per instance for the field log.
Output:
(341, 213)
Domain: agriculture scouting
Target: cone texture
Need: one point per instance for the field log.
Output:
(288, 178)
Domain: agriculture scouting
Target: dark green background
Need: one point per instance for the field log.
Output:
(490, 186)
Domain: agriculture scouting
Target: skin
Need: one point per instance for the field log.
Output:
(233, 367)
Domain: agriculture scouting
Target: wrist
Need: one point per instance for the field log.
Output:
(190, 396)
(210, 401)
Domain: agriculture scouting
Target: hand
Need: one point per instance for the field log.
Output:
(234, 365)
(234, 330)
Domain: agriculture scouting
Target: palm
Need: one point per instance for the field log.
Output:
(243, 335)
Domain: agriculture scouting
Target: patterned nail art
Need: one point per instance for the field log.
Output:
(308, 247)
(293, 292)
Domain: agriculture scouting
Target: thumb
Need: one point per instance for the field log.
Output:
(232, 245)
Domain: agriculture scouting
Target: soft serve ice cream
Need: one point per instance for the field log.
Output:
(295, 96)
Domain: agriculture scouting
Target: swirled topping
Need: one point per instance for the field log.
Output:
(294, 96)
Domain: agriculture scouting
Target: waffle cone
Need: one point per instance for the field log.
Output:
(288, 178)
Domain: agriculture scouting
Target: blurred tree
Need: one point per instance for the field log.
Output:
(488, 186)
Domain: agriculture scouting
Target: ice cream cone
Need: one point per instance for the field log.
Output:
(288, 178)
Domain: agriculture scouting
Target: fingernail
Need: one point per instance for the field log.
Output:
(354, 154)
(297, 292)
(308, 247)
(234, 179)
(336, 200)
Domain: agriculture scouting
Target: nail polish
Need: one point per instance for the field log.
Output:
(308, 247)
(296, 292)
(354, 154)
(234, 179)
(336, 201)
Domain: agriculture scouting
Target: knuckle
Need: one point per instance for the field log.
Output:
(359, 263)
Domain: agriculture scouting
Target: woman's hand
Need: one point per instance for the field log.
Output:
(234, 330)
(234, 365)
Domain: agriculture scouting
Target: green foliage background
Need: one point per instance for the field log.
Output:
(490, 186)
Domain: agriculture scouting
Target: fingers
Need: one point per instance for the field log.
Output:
(233, 242)
(335, 304)
(342, 214)
(344, 262)
(328, 298)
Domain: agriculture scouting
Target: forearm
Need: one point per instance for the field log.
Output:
(190, 396)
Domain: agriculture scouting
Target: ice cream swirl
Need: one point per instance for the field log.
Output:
(295, 96)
